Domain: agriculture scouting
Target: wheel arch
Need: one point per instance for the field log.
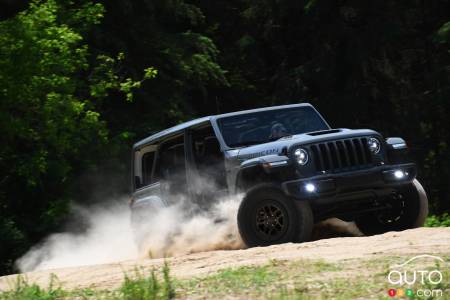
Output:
(248, 177)
(265, 169)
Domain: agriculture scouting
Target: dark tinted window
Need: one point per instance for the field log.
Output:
(266, 126)
(207, 156)
(170, 165)
(148, 160)
(205, 144)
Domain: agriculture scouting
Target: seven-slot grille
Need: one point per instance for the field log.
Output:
(341, 155)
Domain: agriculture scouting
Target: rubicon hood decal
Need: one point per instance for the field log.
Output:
(262, 153)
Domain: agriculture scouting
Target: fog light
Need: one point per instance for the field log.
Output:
(309, 187)
(399, 174)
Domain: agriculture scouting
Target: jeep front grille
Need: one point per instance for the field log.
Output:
(341, 155)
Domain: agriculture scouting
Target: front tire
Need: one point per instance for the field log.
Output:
(266, 216)
(409, 209)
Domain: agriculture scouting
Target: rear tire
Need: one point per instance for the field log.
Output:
(266, 216)
(409, 210)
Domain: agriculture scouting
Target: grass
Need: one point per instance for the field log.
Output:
(25, 291)
(135, 286)
(229, 281)
(147, 288)
(438, 221)
(278, 279)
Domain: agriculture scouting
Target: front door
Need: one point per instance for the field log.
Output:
(207, 176)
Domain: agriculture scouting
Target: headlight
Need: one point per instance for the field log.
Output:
(301, 156)
(374, 145)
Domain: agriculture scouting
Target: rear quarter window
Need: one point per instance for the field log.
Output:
(148, 159)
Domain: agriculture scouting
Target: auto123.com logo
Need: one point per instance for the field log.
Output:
(407, 280)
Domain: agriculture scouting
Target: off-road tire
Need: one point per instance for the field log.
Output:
(268, 202)
(414, 211)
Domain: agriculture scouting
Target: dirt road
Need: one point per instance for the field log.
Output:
(407, 243)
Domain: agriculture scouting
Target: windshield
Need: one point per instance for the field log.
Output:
(271, 125)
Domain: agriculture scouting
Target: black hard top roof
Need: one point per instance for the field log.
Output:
(182, 126)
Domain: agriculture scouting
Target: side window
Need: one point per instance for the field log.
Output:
(208, 157)
(148, 159)
(206, 147)
(144, 161)
(171, 165)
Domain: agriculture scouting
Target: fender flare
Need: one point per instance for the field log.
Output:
(266, 165)
(423, 199)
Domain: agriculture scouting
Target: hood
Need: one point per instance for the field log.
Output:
(282, 145)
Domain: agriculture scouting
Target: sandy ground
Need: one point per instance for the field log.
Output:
(406, 243)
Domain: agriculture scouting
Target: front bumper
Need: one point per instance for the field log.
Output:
(340, 186)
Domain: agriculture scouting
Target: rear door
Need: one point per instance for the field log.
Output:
(171, 171)
(147, 197)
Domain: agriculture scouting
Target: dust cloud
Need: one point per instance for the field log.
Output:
(109, 236)
(176, 231)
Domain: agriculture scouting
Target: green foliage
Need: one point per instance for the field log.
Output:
(64, 78)
(168, 35)
(51, 129)
(443, 34)
(361, 71)
(278, 279)
(438, 221)
(105, 78)
(139, 287)
(230, 280)
(40, 59)
(136, 286)
(129, 85)
(309, 5)
(22, 290)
